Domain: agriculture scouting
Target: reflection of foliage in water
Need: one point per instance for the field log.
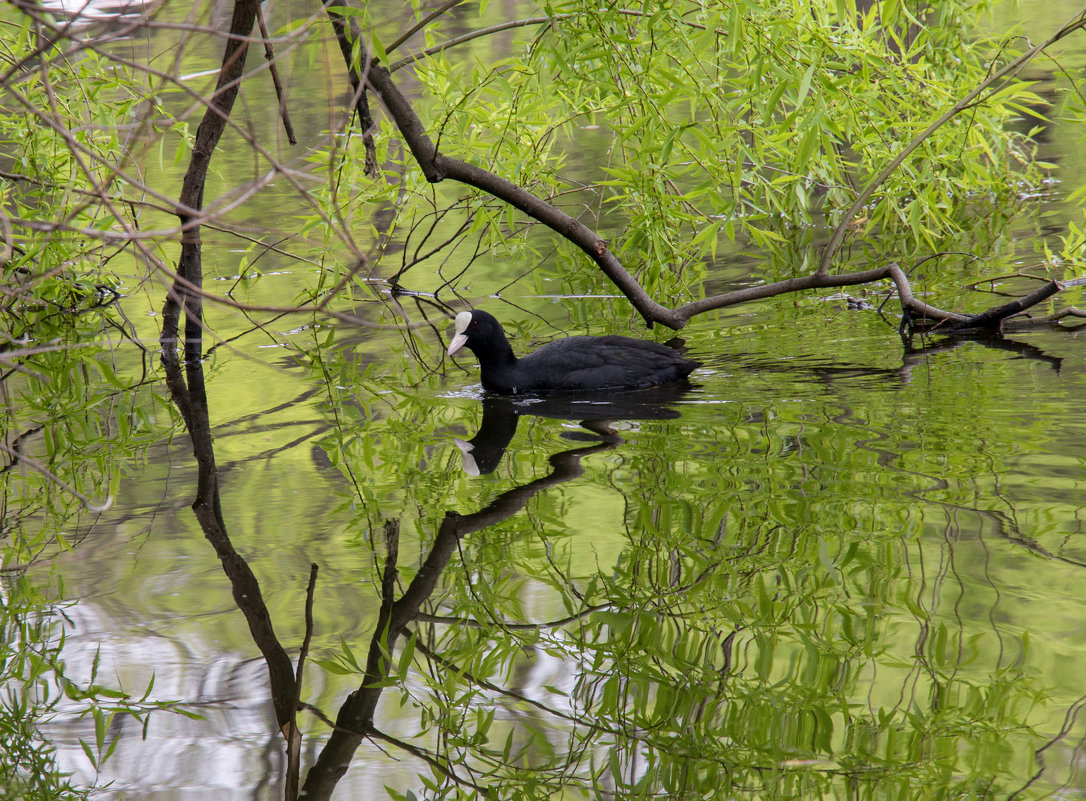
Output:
(76, 429)
(735, 643)
(27, 660)
(38, 688)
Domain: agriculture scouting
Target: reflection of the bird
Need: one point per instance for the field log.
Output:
(355, 721)
(595, 411)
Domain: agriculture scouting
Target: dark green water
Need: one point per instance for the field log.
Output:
(838, 568)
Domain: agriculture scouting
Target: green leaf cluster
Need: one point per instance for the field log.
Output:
(693, 124)
(63, 113)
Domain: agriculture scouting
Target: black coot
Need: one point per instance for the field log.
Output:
(573, 364)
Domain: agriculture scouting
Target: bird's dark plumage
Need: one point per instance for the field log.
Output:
(573, 364)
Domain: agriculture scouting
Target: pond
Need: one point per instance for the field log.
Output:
(833, 564)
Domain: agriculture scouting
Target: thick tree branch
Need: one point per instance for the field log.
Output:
(817, 281)
(994, 317)
(436, 167)
(208, 134)
(188, 388)
(346, 31)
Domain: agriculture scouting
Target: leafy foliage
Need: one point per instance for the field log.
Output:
(729, 643)
(702, 123)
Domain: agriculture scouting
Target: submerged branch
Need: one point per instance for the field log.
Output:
(1048, 319)
(993, 318)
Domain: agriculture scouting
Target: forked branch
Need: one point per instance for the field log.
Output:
(438, 167)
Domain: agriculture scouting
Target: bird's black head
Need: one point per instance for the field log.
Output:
(479, 331)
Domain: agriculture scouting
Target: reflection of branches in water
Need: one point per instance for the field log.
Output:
(1024, 350)
(294, 740)
(466, 622)
(1070, 718)
(519, 697)
(578, 745)
(355, 719)
(912, 358)
(192, 401)
(441, 766)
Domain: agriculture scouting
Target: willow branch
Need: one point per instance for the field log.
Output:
(1074, 24)
(88, 504)
(476, 34)
(422, 23)
(437, 167)
(269, 56)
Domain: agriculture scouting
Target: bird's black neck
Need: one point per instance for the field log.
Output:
(498, 355)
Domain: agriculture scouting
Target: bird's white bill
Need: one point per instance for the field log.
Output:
(463, 320)
(457, 343)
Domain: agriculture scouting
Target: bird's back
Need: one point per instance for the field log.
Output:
(593, 363)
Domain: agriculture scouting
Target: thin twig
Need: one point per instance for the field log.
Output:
(422, 23)
(476, 34)
(294, 740)
(991, 279)
(31, 462)
(1076, 22)
(269, 56)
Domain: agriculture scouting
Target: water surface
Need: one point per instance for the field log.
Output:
(835, 564)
